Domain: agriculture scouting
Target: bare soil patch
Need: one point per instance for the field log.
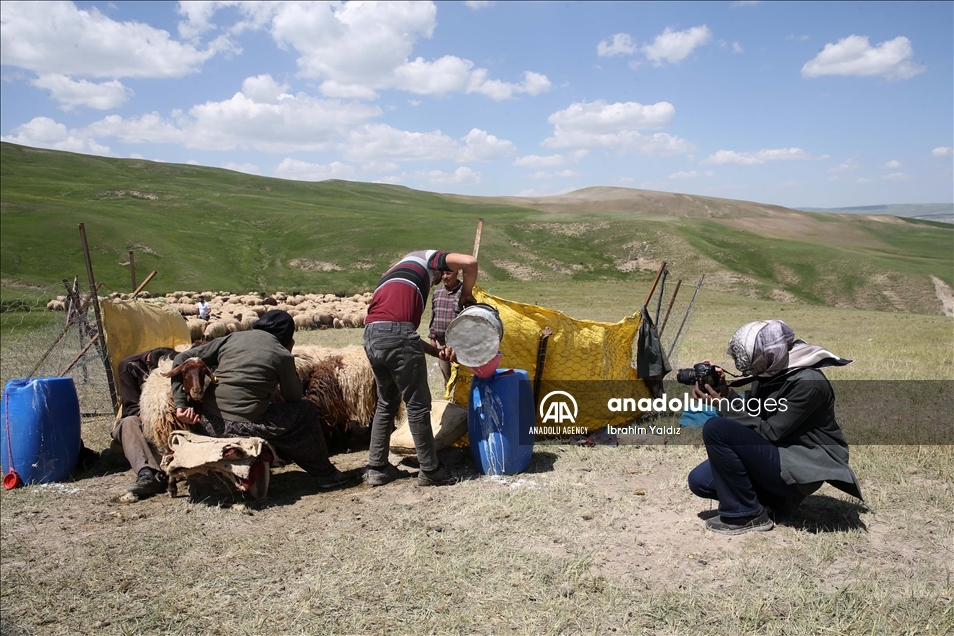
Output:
(944, 295)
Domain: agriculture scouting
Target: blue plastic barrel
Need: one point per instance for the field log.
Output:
(500, 421)
(40, 434)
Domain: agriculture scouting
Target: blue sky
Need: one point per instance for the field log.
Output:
(798, 104)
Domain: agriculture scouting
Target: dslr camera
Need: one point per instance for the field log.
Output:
(700, 374)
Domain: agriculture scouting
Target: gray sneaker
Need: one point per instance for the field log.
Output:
(440, 477)
(376, 477)
(760, 523)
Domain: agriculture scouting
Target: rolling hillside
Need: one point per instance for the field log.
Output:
(205, 228)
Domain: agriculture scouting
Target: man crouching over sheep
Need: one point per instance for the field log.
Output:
(249, 365)
(396, 353)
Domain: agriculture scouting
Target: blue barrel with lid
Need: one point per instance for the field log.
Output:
(40, 439)
(500, 421)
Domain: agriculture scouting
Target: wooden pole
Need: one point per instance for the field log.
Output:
(93, 290)
(480, 226)
(671, 301)
(132, 268)
(80, 355)
(144, 283)
(655, 282)
(684, 318)
(662, 292)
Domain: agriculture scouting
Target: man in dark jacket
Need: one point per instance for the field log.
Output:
(777, 443)
(249, 365)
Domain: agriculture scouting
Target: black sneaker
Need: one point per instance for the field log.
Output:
(382, 476)
(727, 525)
(439, 477)
(334, 478)
(149, 482)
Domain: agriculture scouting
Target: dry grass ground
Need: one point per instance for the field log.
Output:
(589, 540)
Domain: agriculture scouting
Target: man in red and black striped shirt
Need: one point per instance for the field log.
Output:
(396, 353)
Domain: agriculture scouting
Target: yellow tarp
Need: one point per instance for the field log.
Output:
(134, 326)
(592, 360)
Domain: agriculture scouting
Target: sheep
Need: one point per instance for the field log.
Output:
(194, 374)
(196, 328)
(156, 408)
(216, 329)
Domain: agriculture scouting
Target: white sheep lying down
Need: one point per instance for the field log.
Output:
(354, 377)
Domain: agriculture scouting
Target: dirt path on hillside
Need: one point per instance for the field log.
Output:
(944, 294)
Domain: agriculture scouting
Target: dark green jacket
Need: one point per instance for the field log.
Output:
(810, 443)
(248, 366)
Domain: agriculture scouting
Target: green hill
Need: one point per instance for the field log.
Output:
(206, 228)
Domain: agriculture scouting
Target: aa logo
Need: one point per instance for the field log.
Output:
(558, 407)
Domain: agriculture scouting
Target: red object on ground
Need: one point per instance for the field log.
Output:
(11, 480)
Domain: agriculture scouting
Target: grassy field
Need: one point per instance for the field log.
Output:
(210, 229)
(588, 541)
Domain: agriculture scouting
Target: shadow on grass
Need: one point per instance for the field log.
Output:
(541, 462)
(821, 513)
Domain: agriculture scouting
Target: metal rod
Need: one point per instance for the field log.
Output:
(80, 355)
(669, 309)
(66, 330)
(113, 395)
(480, 226)
(684, 318)
(662, 292)
(653, 288)
(144, 283)
(541, 361)
(132, 268)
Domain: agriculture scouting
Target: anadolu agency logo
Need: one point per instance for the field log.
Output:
(560, 409)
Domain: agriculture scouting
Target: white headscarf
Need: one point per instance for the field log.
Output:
(768, 347)
(761, 348)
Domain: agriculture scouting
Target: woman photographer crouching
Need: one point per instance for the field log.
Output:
(777, 443)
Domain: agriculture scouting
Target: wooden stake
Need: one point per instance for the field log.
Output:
(93, 290)
(144, 283)
(671, 301)
(655, 282)
(480, 226)
(132, 268)
(80, 355)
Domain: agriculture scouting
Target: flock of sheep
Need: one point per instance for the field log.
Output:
(235, 312)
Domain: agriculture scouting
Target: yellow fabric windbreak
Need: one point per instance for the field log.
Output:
(134, 326)
(594, 357)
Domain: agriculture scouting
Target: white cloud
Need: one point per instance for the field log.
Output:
(743, 3)
(279, 123)
(893, 164)
(360, 48)
(43, 132)
(533, 84)
(550, 161)
(539, 174)
(58, 37)
(849, 165)
(692, 174)
(381, 142)
(942, 151)
(481, 146)
(479, 4)
(600, 117)
(737, 48)
(264, 89)
(723, 157)
(379, 166)
(675, 46)
(853, 55)
(896, 176)
(800, 38)
(864, 180)
(601, 125)
(71, 94)
(566, 173)
(391, 180)
(621, 44)
(247, 168)
(461, 176)
(303, 171)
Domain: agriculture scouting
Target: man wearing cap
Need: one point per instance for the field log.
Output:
(248, 366)
(396, 353)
